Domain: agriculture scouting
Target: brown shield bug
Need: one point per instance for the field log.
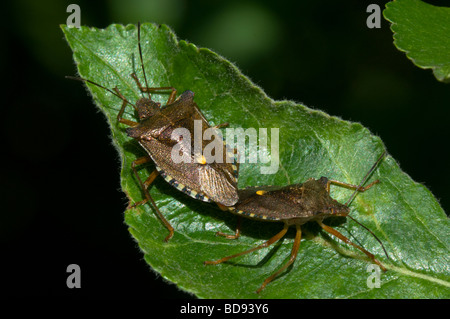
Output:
(295, 205)
(156, 132)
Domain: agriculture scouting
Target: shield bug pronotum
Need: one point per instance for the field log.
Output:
(157, 132)
(295, 205)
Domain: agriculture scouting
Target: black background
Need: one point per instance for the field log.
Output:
(61, 198)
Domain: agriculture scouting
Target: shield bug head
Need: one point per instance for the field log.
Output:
(156, 131)
(295, 205)
(146, 108)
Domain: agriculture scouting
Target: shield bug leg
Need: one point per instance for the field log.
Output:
(221, 125)
(237, 233)
(337, 234)
(272, 240)
(351, 186)
(120, 119)
(294, 251)
(360, 187)
(144, 89)
(144, 187)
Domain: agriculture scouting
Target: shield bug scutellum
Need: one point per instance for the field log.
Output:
(156, 132)
(295, 205)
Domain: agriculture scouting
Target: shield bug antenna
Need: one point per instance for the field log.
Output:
(158, 132)
(360, 188)
(295, 205)
(364, 180)
(140, 57)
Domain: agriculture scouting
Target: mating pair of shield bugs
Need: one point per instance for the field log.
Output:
(156, 131)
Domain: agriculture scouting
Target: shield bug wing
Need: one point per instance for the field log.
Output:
(293, 204)
(262, 203)
(217, 176)
(212, 182)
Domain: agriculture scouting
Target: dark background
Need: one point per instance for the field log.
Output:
(61, 198)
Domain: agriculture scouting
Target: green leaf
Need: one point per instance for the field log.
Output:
(402, 213)
(423, 32)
